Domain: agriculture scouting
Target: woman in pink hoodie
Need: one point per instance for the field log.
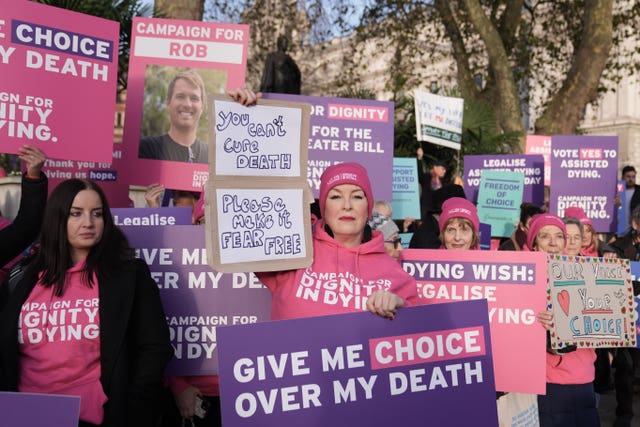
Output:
(570, 399)
(351, 269)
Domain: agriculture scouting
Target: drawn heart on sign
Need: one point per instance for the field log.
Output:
(563, 300)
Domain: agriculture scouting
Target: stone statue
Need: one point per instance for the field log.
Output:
(281, 74)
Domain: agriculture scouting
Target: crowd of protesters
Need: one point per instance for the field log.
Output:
(118, 365)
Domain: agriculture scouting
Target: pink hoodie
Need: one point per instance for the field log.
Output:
(339, 280)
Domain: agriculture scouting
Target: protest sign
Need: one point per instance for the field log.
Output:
(518, 410)
(265, 140)
(538, 144)
(515, 287)
(622, 220)
(406, 191)
(405, 238)
(532, 166)
(53, 61)
(439, 119)
(257, 200)
(106, 175)
(484, 232)
(211, 54)
(592, 302)
(258, 228)
(499, 200)
(180, 215)
(584, 171)
(349, 130)
(33, 410)
(635, 280)
(196, 299)
(359, 369)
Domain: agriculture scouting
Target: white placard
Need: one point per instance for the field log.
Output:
(261, 140)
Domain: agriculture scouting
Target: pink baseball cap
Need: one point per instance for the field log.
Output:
(457, 207)
(345, 173)
(540, 220)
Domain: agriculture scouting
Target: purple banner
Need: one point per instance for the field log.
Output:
(196, 299)
(584, 172)
(532, 166)
(316, 372)
(349, 130)
(176, 215)
(32, 410)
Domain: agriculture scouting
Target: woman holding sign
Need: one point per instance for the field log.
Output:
(570, 398)
(86, 319)
(351, 270)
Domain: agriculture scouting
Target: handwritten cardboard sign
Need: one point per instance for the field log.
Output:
(160, 49)
(54, 64)
(515, 287)
(258, 228)
(439, 119)
(584, 171)
(196, 299)
(257, 199)
(425, 365)
(499, 200)
(592, 302)
(532, 166)
(266, 140)
(32, 410)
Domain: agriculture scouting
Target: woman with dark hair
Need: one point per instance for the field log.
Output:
(86, 318)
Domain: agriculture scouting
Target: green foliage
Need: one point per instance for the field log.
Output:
(155, 120)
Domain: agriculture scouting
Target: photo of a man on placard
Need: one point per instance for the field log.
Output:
(185, 103)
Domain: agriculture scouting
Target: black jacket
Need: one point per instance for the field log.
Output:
(134, 343)
(635, 200)
(25, 227)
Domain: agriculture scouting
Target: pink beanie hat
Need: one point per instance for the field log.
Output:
(578, 213)
(540, 220)
(198, 210)
(345, 173)
(457, 207)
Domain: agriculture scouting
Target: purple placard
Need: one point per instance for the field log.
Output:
(175, 215)
(349, 130)
(484, 230)
(584, 171)
(531, 165)
(196, 299)
(32, 410)
(343, 370)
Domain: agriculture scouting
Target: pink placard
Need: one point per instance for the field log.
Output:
(540, 144)
(160, 49)
(514, 285)
(59, 73)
